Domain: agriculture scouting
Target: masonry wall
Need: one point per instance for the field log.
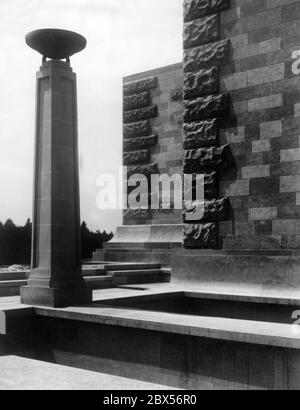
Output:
(262, 128)
(264, 136)
(165, 155)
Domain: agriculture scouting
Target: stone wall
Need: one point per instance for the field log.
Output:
(264, 136)
(241, 123)
(205, 108)
(152, 134)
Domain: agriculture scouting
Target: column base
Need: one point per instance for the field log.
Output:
(56, 297)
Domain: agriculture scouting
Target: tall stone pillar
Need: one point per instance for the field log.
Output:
(56, 278)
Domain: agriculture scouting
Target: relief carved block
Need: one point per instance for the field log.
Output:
(205, 56)
(193, 9)
(201, 134)
(203, 159)
(140, 114)
(140, 86)
(204, 108)
(201, 83)
(199, 236)
(135, 101)
(201, 31)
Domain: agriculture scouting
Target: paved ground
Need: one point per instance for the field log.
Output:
(18, 373)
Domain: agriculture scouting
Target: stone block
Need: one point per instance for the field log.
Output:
(140, 114)
(263, 214)
(200, 134)
(263, 227)
(257, 171)
(201, 31)
(263, 103)
(232, 135)
(206, 56)
(261, 146)
(234, 81)
(136, 157)
(266, 74)
(290, 183)
(136, 129)
(194, 9)
(135, 101)
(211, 187)
(208, 107)
(176, 95)
(209, 211)
(264, 186)
(146, 170)
(236, 188)
(137, 214)
(141, 143)
(140, 86)
(290, 155)
(201, 83)
(200, 236)
(203, 159)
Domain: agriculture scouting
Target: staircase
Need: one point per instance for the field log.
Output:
(97, 275)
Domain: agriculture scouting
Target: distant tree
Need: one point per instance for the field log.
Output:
(90, 241)
(15, 242)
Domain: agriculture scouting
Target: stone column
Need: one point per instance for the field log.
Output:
(56, 279)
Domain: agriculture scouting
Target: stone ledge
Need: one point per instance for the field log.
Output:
(135, 101)
(201, 83)
(201, 31)
(140, 114)
(205, 56)
(204, 108)
(139, 86)
(139, 143)
(204, 159)
(194, 9)
(137, 129)
(200, 134)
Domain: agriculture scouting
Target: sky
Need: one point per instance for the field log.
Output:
(124, 37)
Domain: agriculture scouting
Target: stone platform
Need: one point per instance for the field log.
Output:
(191, 351)
(18, 373)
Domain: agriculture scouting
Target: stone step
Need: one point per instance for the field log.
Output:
(18, 373)
(99, 282)
(11, 287)
(131, 266)
(100, 279)
(141, 276)
(11, 275)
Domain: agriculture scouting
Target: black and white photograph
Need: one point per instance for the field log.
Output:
(150, 198)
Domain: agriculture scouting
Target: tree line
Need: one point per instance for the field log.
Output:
(15, 242)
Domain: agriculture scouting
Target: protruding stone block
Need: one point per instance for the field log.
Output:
(205, 56)
(146, 170)
(211, 187)
(204, 108)
(202, 83)
(200, 236)
(137, 214)
(135, 101)
(139, 86)
(203, 159)
(135, 144)
(216, 210)
(136, 157)
(140, 114)
(137, 129)
(176, 95)
(194, 9)
(200, 134)
(201, 31)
